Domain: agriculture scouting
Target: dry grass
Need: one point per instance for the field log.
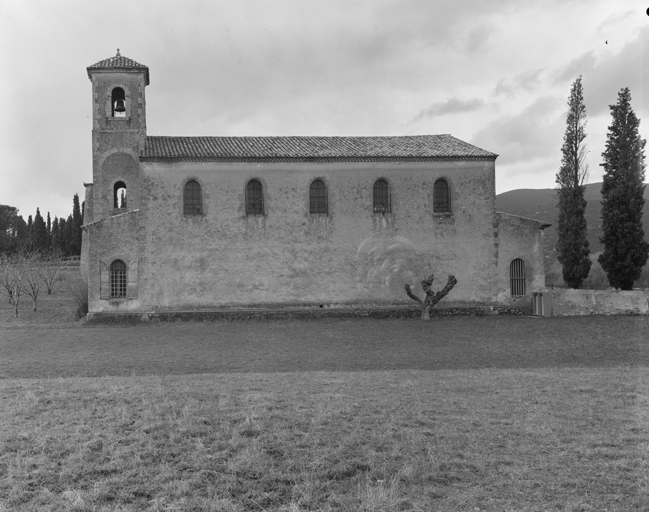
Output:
(459, 414)
(488, 440)
(351, 345)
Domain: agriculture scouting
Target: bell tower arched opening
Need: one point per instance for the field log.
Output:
(118, 102)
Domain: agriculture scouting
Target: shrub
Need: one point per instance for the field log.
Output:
(77, 285)
(554, 274)
(596, 279)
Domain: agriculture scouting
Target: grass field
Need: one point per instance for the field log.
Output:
(458, 414)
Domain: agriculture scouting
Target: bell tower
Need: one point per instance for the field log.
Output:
(118, 136)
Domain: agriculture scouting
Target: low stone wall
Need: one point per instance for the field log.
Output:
(253, 314)
(566, 302)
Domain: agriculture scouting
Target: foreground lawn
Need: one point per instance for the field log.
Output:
(327, 345)
(571, 439)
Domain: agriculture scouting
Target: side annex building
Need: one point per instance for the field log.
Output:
(198, 223)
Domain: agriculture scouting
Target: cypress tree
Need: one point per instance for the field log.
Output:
(572, 245)
(39, 233)
(49, 232)
(67, 237)
(625, 249)
(30, 234)
(62, 241)
(56, 236)
(75, 228)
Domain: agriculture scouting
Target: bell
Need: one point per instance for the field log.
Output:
(120, 106)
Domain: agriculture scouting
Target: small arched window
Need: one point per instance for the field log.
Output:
(441, 197)
(117, 279)
(517, 277)
(118, 102)
(381, 197)
(119, 195)
(318, 197)
(192, 201)
(254, 198)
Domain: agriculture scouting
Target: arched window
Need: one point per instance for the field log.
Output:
(254, 198)
(118, 102)
(192, 201)
(119, 195)
(318, 197)
(517, 277)
(117, 279)
(381, 197)
(441, 197)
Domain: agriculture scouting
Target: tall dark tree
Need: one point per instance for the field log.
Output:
(572, 245)
(75, 228)
(64, 244)
(625, 249)
(39, 233)
(67, 236)
(49, 232)
(56, 236)
(13, 229)
(29, 242)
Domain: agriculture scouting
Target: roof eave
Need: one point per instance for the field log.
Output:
(91, 70)
(280, 159)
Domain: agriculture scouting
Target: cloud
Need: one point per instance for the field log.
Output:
(611, 21)
(614, 71)
(526, 81)
(582, 65)
(534, 133)
(477, 37)
(452, 106)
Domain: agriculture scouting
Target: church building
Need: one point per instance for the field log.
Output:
(200, 223)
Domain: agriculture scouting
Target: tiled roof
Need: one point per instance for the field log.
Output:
(420, 147)
(119, 62)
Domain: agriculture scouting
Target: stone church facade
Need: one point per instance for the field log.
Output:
(195, 223)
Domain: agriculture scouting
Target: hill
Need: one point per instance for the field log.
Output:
(541, 204)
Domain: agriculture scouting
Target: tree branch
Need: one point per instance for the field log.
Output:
(412, 295)
(434, 298)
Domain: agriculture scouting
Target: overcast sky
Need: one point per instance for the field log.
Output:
(495, 73)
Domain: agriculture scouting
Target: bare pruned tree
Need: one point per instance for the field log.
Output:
(50, 267)
(32, 281)
(432, 297)
(11, 279)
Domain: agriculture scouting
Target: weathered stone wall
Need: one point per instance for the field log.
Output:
(118, 237)
(566, 302)
(246, 315)
(225, 257)
(117, 141)
(522, 238)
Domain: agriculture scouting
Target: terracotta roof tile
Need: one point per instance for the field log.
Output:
(425, 147)
(119, 62)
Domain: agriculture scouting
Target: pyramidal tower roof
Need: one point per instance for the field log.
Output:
(119, 62)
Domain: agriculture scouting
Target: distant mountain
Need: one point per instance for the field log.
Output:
(541, 204)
